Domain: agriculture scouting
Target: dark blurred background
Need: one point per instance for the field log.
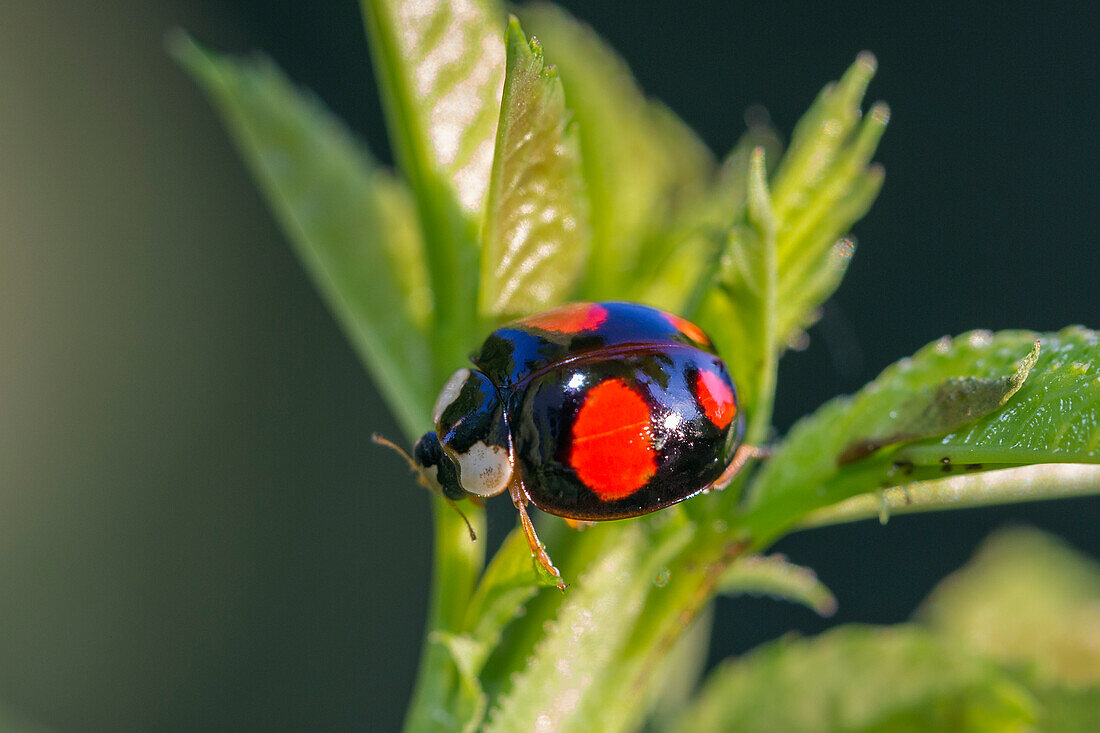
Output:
(194, 531)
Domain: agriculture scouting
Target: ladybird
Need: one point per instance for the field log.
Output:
(589, 411)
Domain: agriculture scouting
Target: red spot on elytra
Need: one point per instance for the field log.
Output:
(573, 318)
(612, 449)
(716, 398)
(687, 328)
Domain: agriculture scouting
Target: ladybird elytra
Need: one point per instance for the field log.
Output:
(611, 448)
(589, 411)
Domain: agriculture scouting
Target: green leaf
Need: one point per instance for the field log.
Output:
(468, 655)
(814, 252)
(858, 678)
(1053, 417)
(1068, 710)
(678, 275)
(349, 221)
(823, 185)
(578, 663)
(594, 620)
(742, 311)
(775, 577)
(440, 69)
(509, 582)
(642, 166)
(940, 409)
(674, 684)
(536, 224)
(822, 139)
(1028, 600)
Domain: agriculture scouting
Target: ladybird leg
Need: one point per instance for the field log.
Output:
(519, 498)
(578, 523)
(743, 455)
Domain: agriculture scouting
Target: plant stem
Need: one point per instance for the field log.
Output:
(456, 567)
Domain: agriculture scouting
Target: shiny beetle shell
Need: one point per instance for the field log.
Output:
(602, 410)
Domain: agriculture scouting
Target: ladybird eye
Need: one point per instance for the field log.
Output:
(437, 466)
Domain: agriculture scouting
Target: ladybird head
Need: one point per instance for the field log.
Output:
(469, 452)
(436, 467)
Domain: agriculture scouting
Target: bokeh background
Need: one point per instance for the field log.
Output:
(195, 533)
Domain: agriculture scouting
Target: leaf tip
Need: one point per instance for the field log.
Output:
(517, 43)
(867, 61)
(853, 85)
(826, 606)
(759, 197)
(197, 60)
(879, 114)
(757, 161)
(181, 46)
(1023, 368)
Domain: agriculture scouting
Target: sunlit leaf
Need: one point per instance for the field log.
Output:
(822, 138)
(773, 576)
(940, 409)
(857, 678)
(536, 226)
(578, 662)
(350, 222)
(573, 552)
(441, 73)
(594, 620)
(642, 165)
(1053, 418)
(440, 70)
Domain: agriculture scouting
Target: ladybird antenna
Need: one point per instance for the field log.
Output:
(387, 443)
(470, 527)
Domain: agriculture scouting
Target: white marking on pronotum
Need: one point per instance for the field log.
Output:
(433, 478)
(484, 470)
(449, 393)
